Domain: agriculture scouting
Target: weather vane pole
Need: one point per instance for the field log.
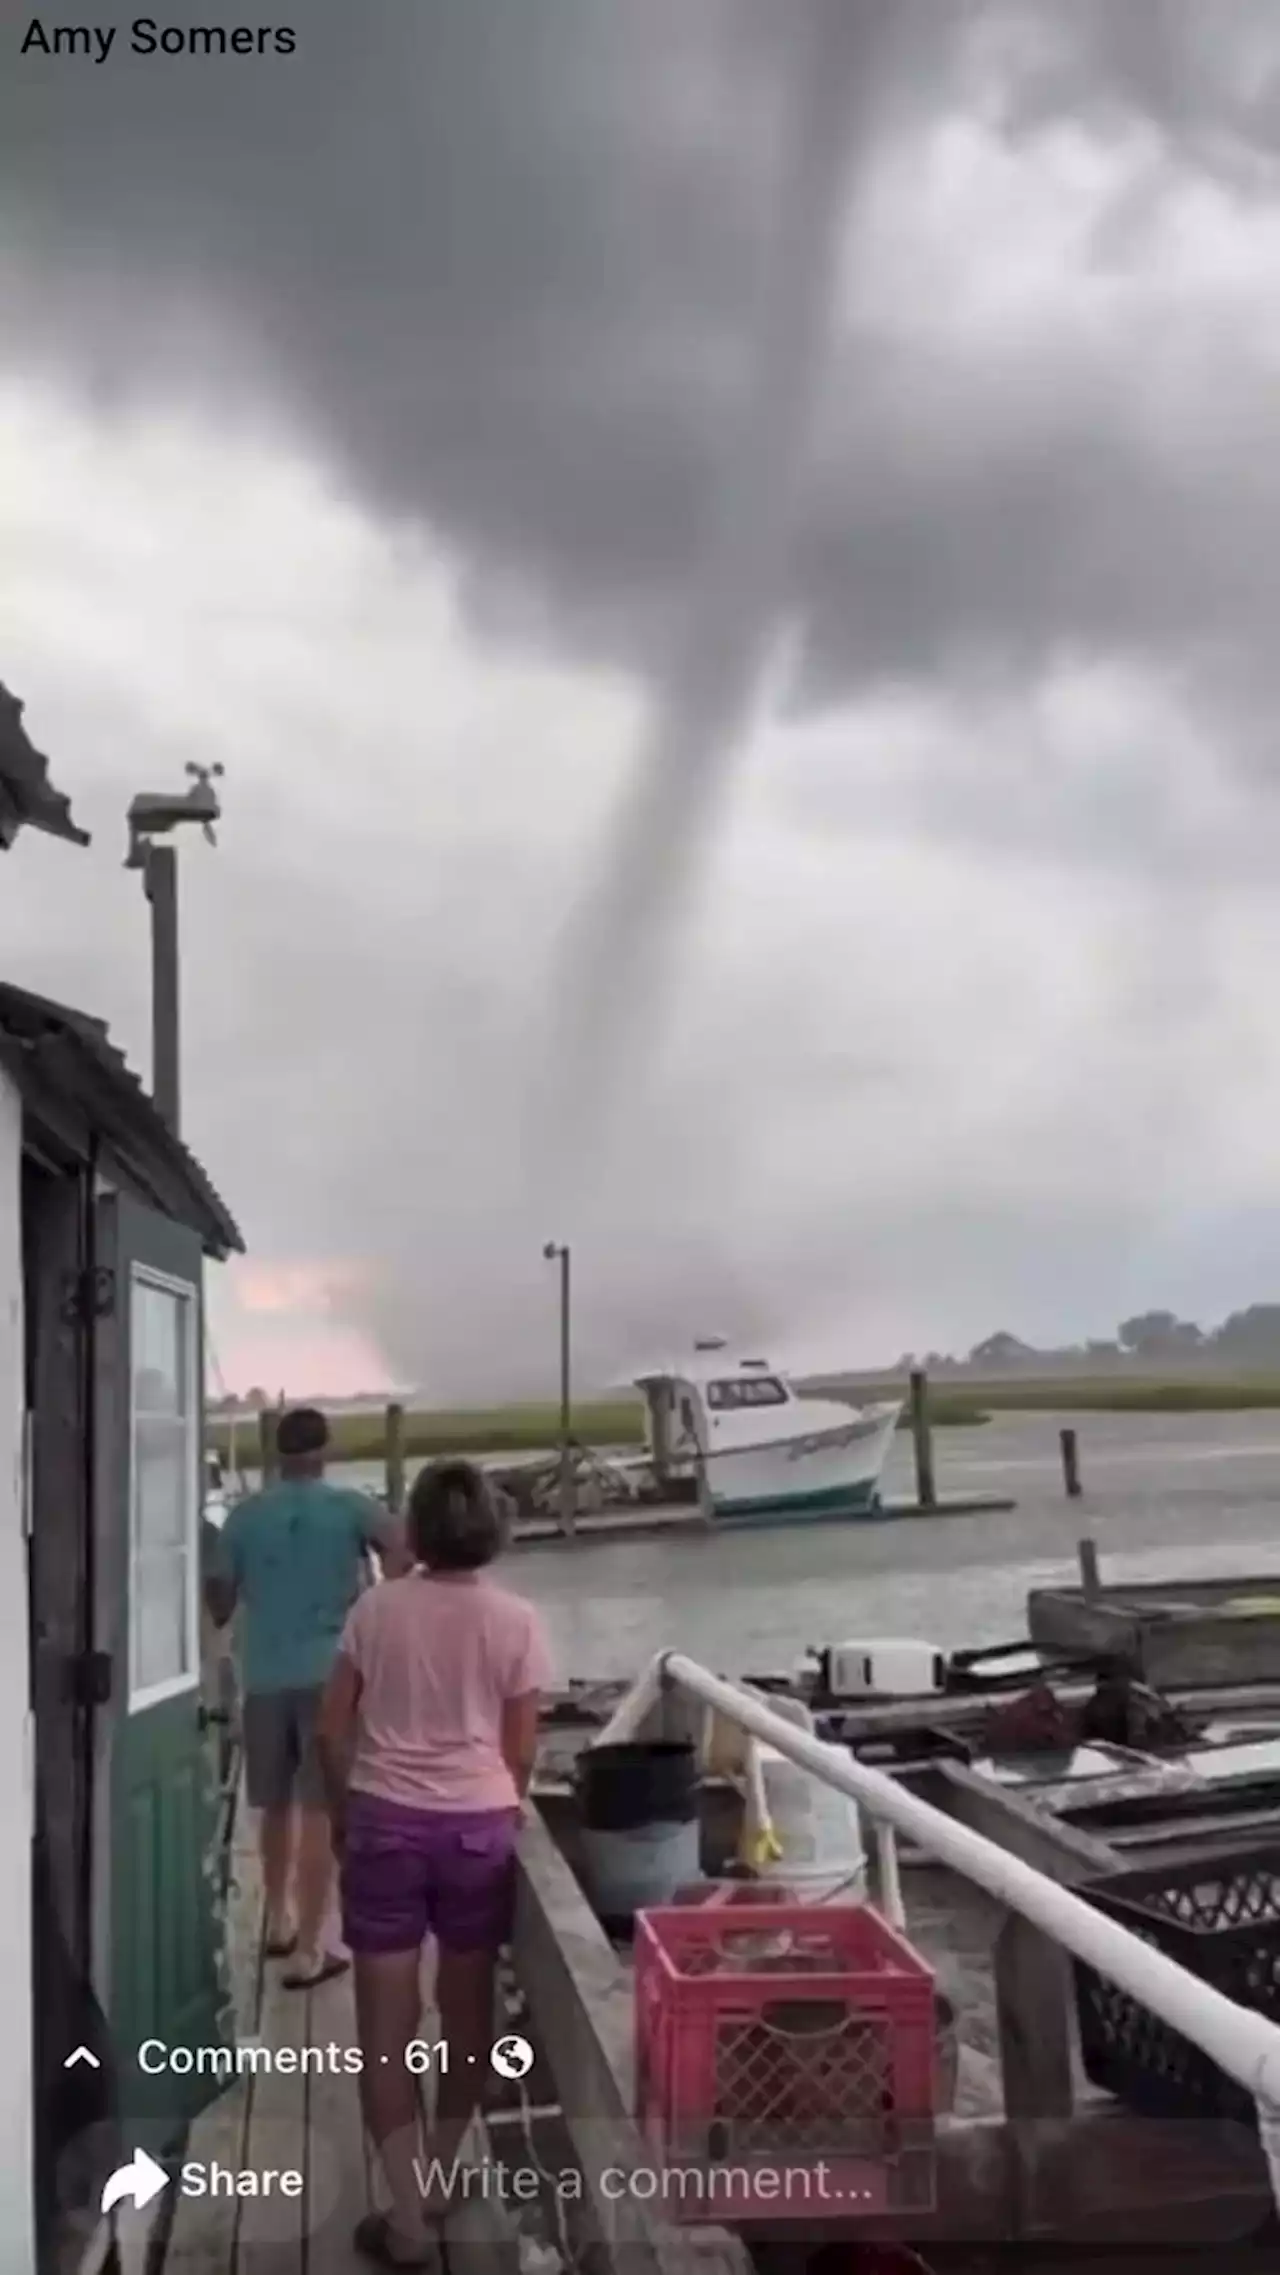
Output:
(153, 814)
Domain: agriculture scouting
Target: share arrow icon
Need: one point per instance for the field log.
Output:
(135, 2183)
(82, 2054)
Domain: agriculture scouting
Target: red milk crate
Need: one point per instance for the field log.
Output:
(784, 2063)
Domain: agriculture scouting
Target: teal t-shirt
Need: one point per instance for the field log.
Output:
(296, 1553)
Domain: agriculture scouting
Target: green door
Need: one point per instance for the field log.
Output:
(157, 1914)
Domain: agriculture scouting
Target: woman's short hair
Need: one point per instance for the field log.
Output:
(455, 1519)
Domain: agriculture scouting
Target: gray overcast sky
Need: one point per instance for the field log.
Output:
(363, 420)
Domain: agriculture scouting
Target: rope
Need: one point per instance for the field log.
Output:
(211, 1355)
(516, 2007)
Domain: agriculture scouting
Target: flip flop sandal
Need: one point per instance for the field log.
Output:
(327, 1972)
(281, 1946)
(377, 2240)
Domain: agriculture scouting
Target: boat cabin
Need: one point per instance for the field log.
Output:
(715, 1399)
(106, 1769)
(753, 1449)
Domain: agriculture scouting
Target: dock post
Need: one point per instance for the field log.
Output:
(1090, 1581)
(557, 1252)
(568, 1493)
(268, 1463)
(922, 1437)
(1070, 1463)
(568, 1464)
(395, 1457)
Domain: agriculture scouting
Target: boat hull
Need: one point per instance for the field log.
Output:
(826, 1477)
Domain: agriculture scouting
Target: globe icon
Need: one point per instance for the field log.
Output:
(511, 2057)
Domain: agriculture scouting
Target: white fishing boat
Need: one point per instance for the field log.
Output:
(757, 1448)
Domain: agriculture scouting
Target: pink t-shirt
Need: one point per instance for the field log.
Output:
(438, 1660)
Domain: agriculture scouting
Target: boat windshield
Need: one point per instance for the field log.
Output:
(745, 1390)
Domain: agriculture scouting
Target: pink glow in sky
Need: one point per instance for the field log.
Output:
(282, 1326)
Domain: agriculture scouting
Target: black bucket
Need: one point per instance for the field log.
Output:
(623, 1787)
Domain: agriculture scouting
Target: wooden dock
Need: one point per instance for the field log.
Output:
(306, 2122)
(1028, 2153)
(648, 1522)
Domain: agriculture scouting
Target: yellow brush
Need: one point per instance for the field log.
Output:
(759, 1846)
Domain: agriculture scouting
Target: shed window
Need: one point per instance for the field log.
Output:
(164, 1478)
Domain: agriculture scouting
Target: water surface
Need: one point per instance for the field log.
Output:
(1166, 1496)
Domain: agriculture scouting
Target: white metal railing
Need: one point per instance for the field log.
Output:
(1243, 2044)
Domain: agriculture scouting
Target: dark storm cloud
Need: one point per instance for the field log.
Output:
(1082, 524)
(495, 258)
(1207, 78)
(497, 261)
(501, 263)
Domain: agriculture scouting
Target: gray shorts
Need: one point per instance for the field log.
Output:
(281, 1757)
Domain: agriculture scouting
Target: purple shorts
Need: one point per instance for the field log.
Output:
(411, 1873)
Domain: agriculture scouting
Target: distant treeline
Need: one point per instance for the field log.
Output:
(1246, 1341)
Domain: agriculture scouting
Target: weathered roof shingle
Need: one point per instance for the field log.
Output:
(76, 1053)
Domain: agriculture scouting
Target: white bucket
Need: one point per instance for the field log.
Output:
(817, 1829)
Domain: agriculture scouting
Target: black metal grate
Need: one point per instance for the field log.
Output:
(1218, 1915)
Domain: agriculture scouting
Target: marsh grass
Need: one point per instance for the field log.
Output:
(619, 1422)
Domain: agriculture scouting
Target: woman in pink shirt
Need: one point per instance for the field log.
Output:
(428, 1734)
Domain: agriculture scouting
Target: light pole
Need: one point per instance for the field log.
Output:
(153, 814)
(555, 1252)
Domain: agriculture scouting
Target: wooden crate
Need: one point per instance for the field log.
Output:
(1174, 1635)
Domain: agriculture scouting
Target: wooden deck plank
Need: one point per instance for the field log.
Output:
(428, 2028)
(244, 1932)
(202, 2236)
(271, 2230)
(134, 2233)
(338, 2163)
(202, 2239)
(308, 2120)
(481, 2232)
(649, 1520)
(344, 2177)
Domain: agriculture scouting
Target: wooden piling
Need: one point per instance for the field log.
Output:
(268, 1458)
(1090, 1581)
(1032, 1979)
(922, 1439)
(568, 1452)
(568, 1492)
(658, 1403)
(1070, 1463)
(395, 1457)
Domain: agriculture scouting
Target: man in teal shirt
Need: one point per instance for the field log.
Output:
(294, 1557)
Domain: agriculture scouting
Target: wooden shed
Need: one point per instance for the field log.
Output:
(106, 1779)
